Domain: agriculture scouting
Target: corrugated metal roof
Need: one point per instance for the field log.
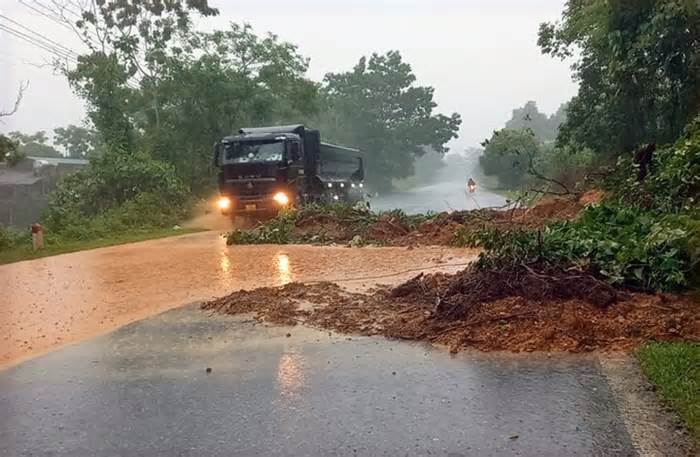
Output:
(56, 160)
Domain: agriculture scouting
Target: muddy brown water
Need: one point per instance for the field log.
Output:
(50, 302)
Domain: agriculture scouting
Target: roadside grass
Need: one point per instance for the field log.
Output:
(55, 247)
(674, 368)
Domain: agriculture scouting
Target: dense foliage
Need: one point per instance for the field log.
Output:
(378, 108)
(509, 155)
(117, 191)
(638, 68)
(77, 142)
(10, 151)
(214, 84)
(35, 145)
(524, 154)
(625, 245)
(674, 182)
(10, 237)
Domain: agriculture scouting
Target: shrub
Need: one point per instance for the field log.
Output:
(626, 245)
(674, 182)
(10, 237)
(117, 191)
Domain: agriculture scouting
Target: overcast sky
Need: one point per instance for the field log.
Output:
(481, 56)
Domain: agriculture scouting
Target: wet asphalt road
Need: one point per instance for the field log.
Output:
(447, 193)
(143, 390)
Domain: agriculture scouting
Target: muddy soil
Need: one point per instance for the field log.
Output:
(439, 308)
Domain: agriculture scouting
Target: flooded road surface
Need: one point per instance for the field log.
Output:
(49, 302)
(292, 391)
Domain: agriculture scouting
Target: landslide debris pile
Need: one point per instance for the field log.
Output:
(339, 224)
(525, 309)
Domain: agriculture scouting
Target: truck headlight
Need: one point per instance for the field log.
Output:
(361, 185)
(281, 198)
(335, 197)
(330, 184)
(342, 184)
(224, 203)
(352, 185)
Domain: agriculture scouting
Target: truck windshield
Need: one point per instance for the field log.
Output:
(263, 151)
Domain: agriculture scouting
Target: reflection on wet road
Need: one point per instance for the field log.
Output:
(52, 301)
(144, 390)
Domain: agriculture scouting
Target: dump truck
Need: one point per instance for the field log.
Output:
(265, 169)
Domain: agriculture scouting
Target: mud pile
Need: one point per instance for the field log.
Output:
(514, 311)
(356, 227)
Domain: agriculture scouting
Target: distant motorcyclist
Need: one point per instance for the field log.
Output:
(471, 185)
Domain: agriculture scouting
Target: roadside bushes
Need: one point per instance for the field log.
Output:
(627, 246)
(116, 192)
(674, 182)
(645, 236)
(518, 158)
(10, 237)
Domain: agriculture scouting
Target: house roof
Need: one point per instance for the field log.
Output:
(58, 160)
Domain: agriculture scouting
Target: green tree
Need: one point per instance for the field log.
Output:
(509, 155)
(128, 41)
(544, 127)
(377, 107)
(9, 150)
(34, 145)
(77, 142)
(216, 83)
(101, 80)
(638, 67)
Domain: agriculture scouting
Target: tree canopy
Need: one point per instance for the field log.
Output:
(77, 142)
(33, 144)
(529, 116)
(509, 155)
(378, 107)
(638, 67)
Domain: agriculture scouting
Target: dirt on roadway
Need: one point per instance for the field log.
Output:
(53, 301)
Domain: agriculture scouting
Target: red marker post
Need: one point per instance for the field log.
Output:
(37, 236)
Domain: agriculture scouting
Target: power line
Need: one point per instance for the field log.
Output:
(61, 8)
(50, 17)
(49, 45)
(37, 43)
(58, 17)
(43, 37)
